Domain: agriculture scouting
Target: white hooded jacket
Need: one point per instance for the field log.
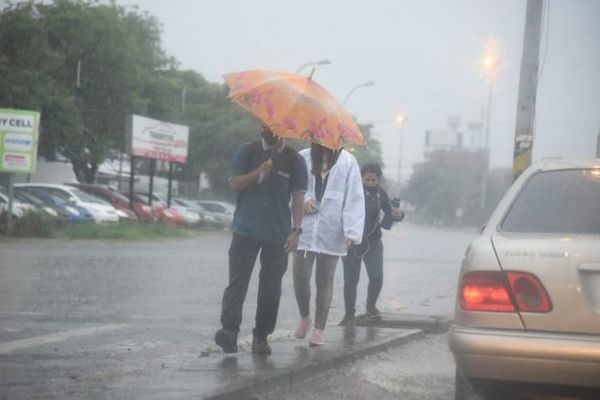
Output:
(341, 213)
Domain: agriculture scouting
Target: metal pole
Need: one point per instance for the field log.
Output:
(120, 170)
(400, 147)
(151, 188)
(527, 87)
(170, 184)
(598, 146)
(354, 89)
(308, 64)
(486, 148)
(131, 179)
(10, 203)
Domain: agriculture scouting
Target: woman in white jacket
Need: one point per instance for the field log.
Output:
(334, 212)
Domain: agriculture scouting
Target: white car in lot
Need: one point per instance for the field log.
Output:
(100, 210)
(19, 208)
(527, 316)
(220, 210)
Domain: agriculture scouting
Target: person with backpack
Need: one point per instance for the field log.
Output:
(370, 250)
(268, 175)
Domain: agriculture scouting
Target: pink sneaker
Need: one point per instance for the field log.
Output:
(317, 338)
(303, 328)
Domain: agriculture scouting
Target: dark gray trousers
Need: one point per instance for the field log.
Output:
(242, 257)
(373, 259)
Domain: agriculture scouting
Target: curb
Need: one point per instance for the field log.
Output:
(428, 324)
(290, 376)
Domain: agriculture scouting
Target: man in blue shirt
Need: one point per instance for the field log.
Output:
(266, 174)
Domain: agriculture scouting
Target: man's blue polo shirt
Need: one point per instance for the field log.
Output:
(263, 209)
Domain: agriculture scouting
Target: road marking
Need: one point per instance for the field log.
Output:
(21, 344)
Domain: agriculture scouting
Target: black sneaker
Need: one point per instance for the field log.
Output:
(347, 320)
(227, 340)
(260, 346)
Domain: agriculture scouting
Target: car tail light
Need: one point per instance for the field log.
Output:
(485, 291)
(529, 293)
(490, 291)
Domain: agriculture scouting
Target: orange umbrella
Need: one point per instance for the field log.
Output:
(295, 107)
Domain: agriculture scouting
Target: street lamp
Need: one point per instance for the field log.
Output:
(370, 83)
(489, 64)
(311, 63)
(400, 120)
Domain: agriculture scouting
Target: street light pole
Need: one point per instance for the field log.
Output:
(490, 66)
(370, 83)
(486, 147)
(400, 119)
(312, 63)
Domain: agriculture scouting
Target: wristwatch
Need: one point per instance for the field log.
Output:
(297, 229)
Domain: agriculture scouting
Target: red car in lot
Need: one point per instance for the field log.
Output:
(165, 215)
(140, 211)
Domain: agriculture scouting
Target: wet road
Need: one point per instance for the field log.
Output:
(120, 305)
(420, 370)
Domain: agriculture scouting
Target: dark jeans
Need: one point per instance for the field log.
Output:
(373, 259)
(242, 256)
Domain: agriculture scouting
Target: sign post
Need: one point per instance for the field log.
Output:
(157, 140)
(18, 147)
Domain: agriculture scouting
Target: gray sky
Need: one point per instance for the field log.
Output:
(423, 55)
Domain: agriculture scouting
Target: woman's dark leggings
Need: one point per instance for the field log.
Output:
(373, 259)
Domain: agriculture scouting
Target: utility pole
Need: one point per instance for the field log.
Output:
(400, 120)
(598, 145)
(527, 87)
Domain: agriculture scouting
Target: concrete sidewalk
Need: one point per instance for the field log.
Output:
(243, 375)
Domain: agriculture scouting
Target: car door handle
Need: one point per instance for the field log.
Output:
(590, 266)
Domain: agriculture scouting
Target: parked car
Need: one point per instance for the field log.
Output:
(66, 211)
(36, 203)
(118, 201)
(165, 215)
(101, 210)
(527, 315)
(206, 218)
(19, 207)
(221, 210)
(191, 216)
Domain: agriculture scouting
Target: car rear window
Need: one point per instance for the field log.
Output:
(565, 201)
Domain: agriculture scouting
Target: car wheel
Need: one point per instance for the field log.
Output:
(464, 390)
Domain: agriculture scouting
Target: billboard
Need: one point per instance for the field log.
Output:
(18, 140)
(151, 138)
(443, 138)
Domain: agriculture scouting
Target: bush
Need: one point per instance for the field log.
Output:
(33, 224)
(123, 230)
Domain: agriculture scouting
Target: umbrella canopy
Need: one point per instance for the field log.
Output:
(294, 106)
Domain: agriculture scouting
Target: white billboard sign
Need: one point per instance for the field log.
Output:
(151, 138)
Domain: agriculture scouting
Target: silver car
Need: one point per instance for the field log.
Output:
(527, 315)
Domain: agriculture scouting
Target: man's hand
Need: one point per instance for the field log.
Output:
(310, 206)
(349, 243)
(265, 168)
(397, 214)
(291, 244)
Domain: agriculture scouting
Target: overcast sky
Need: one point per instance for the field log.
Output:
(424, 57)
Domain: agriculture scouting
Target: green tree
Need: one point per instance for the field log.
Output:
(450, 180)
(86, 65)
(116, 52)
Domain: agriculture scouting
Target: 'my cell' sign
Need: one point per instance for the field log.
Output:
(18, 140)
